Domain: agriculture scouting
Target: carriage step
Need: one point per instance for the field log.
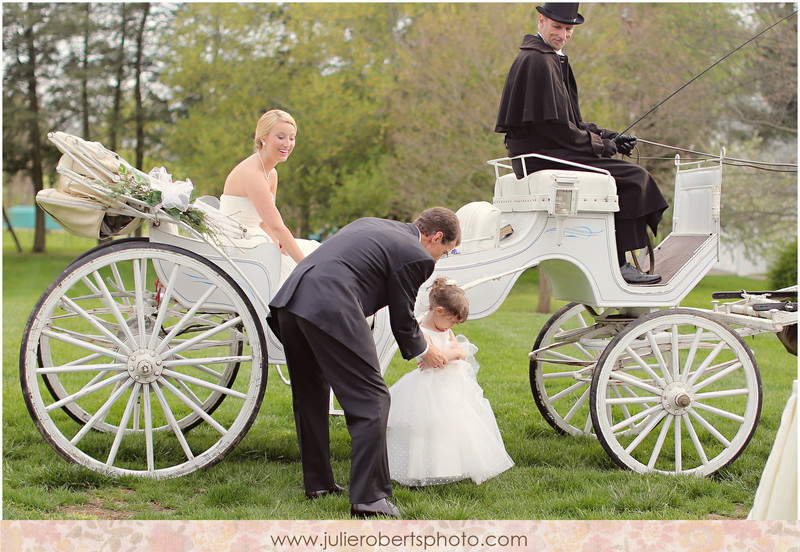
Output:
(742, 293)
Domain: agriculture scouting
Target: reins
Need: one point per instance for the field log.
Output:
(732, 161)
(706, 70)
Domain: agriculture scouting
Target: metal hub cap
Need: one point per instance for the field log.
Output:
(676, 398)
(145, 365)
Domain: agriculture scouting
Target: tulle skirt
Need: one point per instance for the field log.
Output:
(441, 428)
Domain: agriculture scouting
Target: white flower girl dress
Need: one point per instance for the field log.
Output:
(441, 428)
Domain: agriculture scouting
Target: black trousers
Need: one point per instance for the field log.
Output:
(317, 362)
(640, 200)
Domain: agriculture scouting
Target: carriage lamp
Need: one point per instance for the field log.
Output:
(565, 200)
(563, 203)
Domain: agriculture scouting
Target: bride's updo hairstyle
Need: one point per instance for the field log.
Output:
(446, 294)
(269, 120)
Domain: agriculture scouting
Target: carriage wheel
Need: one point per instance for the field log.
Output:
(561, 366)
(72, 409)
(227, 376)
(676, 392)
(137, 368)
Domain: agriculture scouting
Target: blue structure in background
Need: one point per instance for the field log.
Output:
(24, 216)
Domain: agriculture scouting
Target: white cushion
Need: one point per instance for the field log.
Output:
(596, 191)
(478, 221)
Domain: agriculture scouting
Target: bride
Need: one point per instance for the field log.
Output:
(250, 189)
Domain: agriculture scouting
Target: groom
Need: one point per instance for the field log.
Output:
(319, 316)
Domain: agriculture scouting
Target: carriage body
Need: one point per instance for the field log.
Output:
(149, 356)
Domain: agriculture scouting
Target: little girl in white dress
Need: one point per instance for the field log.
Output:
(441, 428)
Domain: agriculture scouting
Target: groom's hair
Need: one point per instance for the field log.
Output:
(440, 219)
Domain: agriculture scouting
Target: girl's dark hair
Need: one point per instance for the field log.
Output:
(446, 294)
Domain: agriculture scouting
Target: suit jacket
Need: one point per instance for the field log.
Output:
(367, 265)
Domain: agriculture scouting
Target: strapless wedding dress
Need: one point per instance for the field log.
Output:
(244, 212)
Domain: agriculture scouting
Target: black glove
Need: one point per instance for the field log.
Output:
(609, 148)
(625, 144)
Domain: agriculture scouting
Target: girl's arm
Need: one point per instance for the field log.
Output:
(455, 352)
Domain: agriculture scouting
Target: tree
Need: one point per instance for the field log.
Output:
(220, 66)
(140, 117)
(325, 64)
(119, 64)
(342, 68)
(768, 104)
(444, 108)
(29, 47)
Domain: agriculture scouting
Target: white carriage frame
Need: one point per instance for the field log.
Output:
(559, 220)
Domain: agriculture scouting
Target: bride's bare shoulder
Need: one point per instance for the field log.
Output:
(244, 172)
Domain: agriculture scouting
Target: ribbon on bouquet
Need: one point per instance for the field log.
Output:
(174, 195)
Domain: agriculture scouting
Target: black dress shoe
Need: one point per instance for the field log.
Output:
(335, 489)
(633, 276)
(381, 507)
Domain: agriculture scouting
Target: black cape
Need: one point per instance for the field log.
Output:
(539, 113)
(535, 90)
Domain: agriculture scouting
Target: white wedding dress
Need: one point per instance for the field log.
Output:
(441, 428)
(244, 212)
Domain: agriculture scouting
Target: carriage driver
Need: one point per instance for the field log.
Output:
(539, 113)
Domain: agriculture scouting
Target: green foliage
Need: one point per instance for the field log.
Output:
(134, 185)
(396, 102)
(221, 68)
(445, 105)
(759, 207)
(783, 271)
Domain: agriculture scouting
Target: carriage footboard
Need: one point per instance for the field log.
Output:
(673, 253)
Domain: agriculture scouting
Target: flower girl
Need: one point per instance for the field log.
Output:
(441, 429)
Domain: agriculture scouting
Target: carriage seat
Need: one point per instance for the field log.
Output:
(479, 226)
(546, 190)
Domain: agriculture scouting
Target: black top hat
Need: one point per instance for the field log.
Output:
(563, 12)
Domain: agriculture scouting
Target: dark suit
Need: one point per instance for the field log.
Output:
(319, 316)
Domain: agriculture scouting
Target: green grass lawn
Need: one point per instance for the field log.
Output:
(555, 476)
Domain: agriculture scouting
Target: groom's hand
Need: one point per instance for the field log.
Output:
(432, 359)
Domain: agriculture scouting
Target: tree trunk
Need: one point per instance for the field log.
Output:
(140, 117)
(120, 75)
(86, 131)
(34, 134)
(137, 92)
(545, 293)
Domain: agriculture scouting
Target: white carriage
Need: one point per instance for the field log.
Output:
(149, 356)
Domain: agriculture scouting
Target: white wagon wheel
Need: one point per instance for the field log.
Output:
(676, 392)
(72, 409)
(562, 361)
(139, 365)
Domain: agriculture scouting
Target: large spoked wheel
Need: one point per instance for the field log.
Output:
(139, 343)
(72, 409)
(676, 392)
(562, 362)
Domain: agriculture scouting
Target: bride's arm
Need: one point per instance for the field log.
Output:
(261, 194)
